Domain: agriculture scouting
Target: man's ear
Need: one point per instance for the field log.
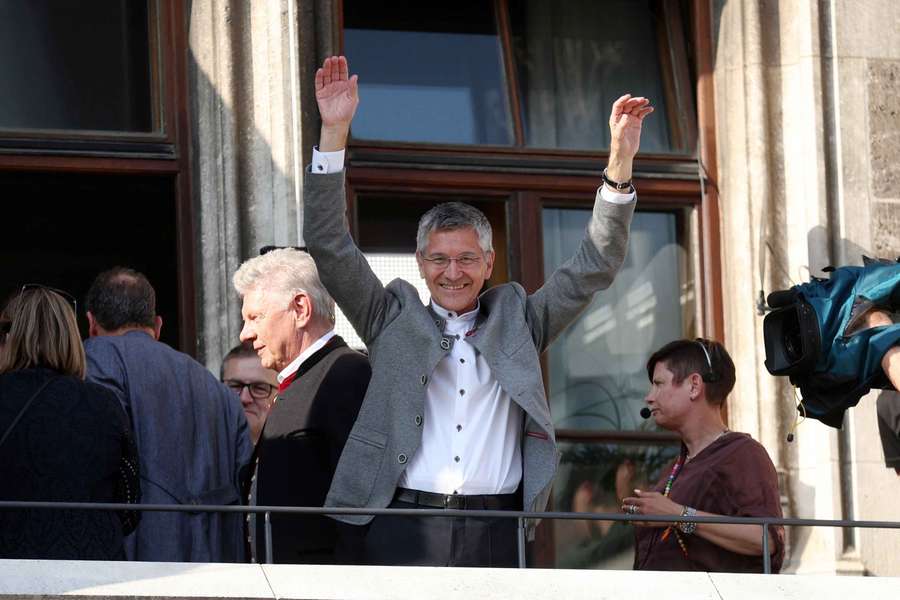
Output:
(489, 263)
(93, 326)
(157, 326)
(303, 308)
(421, 264)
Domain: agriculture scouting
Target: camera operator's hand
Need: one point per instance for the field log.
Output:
(890, 362)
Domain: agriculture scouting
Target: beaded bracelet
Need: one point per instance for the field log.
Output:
(688, 527)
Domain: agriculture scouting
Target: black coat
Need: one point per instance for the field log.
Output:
(299, 449)
(73, 444)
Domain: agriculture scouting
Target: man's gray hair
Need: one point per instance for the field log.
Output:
(454, 215)
(285, 271)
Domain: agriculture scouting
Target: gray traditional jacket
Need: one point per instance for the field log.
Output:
(405, 341)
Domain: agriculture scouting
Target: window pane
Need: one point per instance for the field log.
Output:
(75, 65)
(428, 73)
(574, 58)
(597, 367)
(594, 478)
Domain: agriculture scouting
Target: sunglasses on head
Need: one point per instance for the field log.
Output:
(65, 295)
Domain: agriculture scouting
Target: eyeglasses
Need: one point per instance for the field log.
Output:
(259, 390)
(440, 261)
(66, 295)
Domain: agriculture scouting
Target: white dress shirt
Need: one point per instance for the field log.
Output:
(472, 432)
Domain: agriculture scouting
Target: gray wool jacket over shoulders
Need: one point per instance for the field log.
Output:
(406, 342)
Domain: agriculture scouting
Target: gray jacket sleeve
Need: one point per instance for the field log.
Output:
(342, 267)
(571, 287)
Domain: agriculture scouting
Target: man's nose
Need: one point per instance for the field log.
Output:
(246, 333)
(452, 271)
(246, 398)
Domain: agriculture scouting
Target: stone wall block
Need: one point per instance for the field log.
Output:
(884, 127)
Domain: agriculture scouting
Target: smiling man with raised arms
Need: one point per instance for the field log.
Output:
(455, 415)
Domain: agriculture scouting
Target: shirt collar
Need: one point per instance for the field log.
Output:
(448, 315)
(295, 364)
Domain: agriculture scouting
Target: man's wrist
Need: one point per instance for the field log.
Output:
(333, 137)
(620, 187)
(619, 167)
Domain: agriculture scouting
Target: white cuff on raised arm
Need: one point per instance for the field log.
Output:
(327, 162)
(615, 197)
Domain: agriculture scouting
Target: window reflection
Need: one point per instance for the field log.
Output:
(594, 477)
(76, 65)
(428, 75)
(574, 58)
(597, 375)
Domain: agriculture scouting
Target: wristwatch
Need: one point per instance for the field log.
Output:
(687, 527)
(624, 186)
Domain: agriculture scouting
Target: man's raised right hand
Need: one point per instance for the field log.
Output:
(337, 95)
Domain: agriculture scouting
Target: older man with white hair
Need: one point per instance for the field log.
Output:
(289, 319)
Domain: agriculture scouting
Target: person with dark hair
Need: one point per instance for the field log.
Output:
(62, 439)
(456, 415)
(191, 432)
(718, 471)
(255, 385)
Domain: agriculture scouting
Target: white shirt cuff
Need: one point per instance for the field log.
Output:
(327, 162)
(615, 197)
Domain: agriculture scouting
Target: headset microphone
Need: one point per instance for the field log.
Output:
(645, 413)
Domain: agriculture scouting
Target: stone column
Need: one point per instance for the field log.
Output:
(775, 222)
(863, 55)
(254, 123)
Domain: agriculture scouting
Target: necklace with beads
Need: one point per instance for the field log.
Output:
(683, 458)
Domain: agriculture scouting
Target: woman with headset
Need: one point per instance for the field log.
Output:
(718, 472)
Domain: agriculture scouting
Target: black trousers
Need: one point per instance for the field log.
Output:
(440, 541)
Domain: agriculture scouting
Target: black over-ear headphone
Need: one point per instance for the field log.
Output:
(710, 376)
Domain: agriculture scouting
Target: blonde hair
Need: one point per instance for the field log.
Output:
(43, 333)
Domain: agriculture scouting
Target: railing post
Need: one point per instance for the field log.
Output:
(268, 525)
(520, 541)
(767, 560)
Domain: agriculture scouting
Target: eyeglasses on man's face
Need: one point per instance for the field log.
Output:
(258, 389)
(463, 261)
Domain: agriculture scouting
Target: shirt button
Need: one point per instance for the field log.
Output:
(424, 379)
(418, 420)
(401, 458)
(462, 360)
(459, 427)
(320, 167)
(462, 392)
(456, 458)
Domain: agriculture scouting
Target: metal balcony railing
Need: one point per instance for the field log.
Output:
(521, 516)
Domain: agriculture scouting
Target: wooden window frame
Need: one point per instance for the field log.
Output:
(164, 153)
(532, 178)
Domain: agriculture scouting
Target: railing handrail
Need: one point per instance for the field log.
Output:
(521, 515)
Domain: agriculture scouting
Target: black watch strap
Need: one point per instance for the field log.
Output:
(624, 186)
